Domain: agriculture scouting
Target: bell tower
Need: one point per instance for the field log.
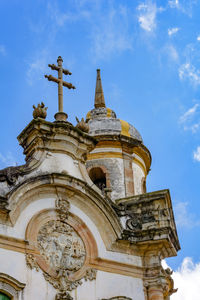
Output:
(120, 161)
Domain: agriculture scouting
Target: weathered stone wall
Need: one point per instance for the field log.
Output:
(138, 175)
(114, 174)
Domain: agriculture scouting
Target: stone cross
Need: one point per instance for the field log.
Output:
(60, 116)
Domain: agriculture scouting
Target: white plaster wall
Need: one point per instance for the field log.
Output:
(138, 174)
(14, 264)
(60, 163)
(109, 285)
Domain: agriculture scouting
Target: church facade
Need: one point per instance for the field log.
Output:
(76, 221)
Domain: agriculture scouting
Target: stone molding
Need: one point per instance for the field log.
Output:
(149, 220)
(40, 135)
(10, 286)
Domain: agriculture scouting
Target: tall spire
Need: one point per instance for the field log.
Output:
(99, 100)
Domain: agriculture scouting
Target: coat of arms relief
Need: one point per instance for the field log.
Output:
(61, 246)
(62, 249)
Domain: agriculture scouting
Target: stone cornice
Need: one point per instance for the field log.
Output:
(149, 220)
(40, 135)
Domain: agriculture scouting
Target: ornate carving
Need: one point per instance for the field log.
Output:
(63, 296)
(31, 261)
(90, 274)
(10, 174)
(63, 207)
(3, 202)
(63, 251)
(82, 125)
(148, 217)
(61, 247)
(169, 289)
(40, 111)
(62, 283)
(157, 276)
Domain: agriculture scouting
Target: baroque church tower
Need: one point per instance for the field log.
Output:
(76, 221)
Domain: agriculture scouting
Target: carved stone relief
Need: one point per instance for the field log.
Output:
(62, 251)
(63, 296)
(31, 261)
(61, 247)
(161, 278)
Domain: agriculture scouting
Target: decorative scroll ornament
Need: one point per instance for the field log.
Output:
(159, 277)
(90, 274)
(31, 261)
(63, 207)
(63, 296)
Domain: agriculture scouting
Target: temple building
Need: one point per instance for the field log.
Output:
(76, 221)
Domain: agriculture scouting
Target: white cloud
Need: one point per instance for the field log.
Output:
(183, 217)
(189, 113)
(188, 71)
(110, 34)
(7, 160)
(172, 31)
(196, 154)
(187, 279)
(108, 28)
(173, 3)
(198, 38)
(60, 17)
(191, 119)
(2, 50)
(37, 67)
(193, 127)
(147, 16)
(185, 6)
(172, 53)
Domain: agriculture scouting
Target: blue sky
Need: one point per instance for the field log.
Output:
(149, 56)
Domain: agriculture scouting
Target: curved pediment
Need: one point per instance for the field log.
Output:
(77, 192)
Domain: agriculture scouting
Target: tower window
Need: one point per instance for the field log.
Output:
(98, 177)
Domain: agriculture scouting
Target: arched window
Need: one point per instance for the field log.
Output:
(4, 296)
(10, 288)
(98, 177)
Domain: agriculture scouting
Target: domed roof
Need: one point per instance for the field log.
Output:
(103, 120)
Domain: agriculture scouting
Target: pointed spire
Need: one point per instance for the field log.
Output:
(99, 100)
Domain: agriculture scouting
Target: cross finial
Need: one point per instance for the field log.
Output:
(60, 116)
